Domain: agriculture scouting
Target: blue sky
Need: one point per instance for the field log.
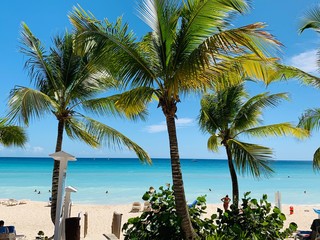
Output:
(48, 18)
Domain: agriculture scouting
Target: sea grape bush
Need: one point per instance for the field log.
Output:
(253, 220)
(162, 222)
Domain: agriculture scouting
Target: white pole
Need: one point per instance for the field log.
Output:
(62, 176)
(63, 158)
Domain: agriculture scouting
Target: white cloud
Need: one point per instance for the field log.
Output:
(162, 127)
(37, 149)
(306, 61)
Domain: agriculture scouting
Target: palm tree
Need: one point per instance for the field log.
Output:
(11, 134)
(190, 42)
(310, 119)
(67, 84)
(229, 114)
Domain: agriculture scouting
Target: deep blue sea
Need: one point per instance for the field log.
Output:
(126, 180)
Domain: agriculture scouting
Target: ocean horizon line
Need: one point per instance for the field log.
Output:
(155, 158)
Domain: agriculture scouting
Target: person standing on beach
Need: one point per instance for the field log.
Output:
(225, 201)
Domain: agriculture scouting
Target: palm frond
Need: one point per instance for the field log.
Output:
(133, 102)
(233, 70)
(202, 19)
(279, 129)
(248, 40)
(112, 138)
(39, 69)
(218, 110)
(244, 40)
(76, 129)
(114, 43)
(249, 114)
(26, 104)
(213, 143)
(251, 158)
(310, 120)
(12, 135)
(311, 20)
(316, 160)
(287, 72)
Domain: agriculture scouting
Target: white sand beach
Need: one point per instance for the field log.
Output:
(33, 216)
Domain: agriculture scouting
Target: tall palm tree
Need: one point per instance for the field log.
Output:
(67, 84)
(229, 114)
(11, 135)
(310, 119)
(190, 41)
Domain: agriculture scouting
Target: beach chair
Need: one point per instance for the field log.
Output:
(7, 236)
(115, 227)
(194, 203)
(147, 206)
(303, 235)
(310, 235)
(315, 227)
(136, 207)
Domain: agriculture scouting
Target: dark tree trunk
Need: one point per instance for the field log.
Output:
(178, 188)
(234, 179)
(55, 172)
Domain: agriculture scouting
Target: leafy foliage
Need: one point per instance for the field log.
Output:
(254, 220)
(162, 221)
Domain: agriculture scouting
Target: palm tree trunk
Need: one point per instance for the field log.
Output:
(178, 188)
(234, 179)
(55, 172)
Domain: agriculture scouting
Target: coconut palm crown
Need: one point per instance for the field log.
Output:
(189, 43)
(67, 85)
(310, 119)
(229, 114)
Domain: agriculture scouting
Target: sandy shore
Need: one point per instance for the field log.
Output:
(31, 217)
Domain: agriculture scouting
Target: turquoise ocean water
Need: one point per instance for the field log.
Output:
(127, 179)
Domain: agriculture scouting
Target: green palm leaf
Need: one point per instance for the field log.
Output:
(279, 129)
(114, 42)
(249, 114)
(113, 138)
(251, 158)
(76, 129)
(204, 18)
(11, 135)
(26, 103)
(288, 72)
(213, 143)
(316, 160)
(310, 120)
(311, 20)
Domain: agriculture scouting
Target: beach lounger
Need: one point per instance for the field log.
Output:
(136, 207)
(115, 227)
(12, 202)
(7, 236)
(303, 235)
(310, 235)
(147, 206)
(194, 203)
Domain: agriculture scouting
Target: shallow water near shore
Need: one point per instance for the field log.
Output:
(120, 180)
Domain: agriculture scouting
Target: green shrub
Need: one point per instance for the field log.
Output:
(162, 223)
(253, 220)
